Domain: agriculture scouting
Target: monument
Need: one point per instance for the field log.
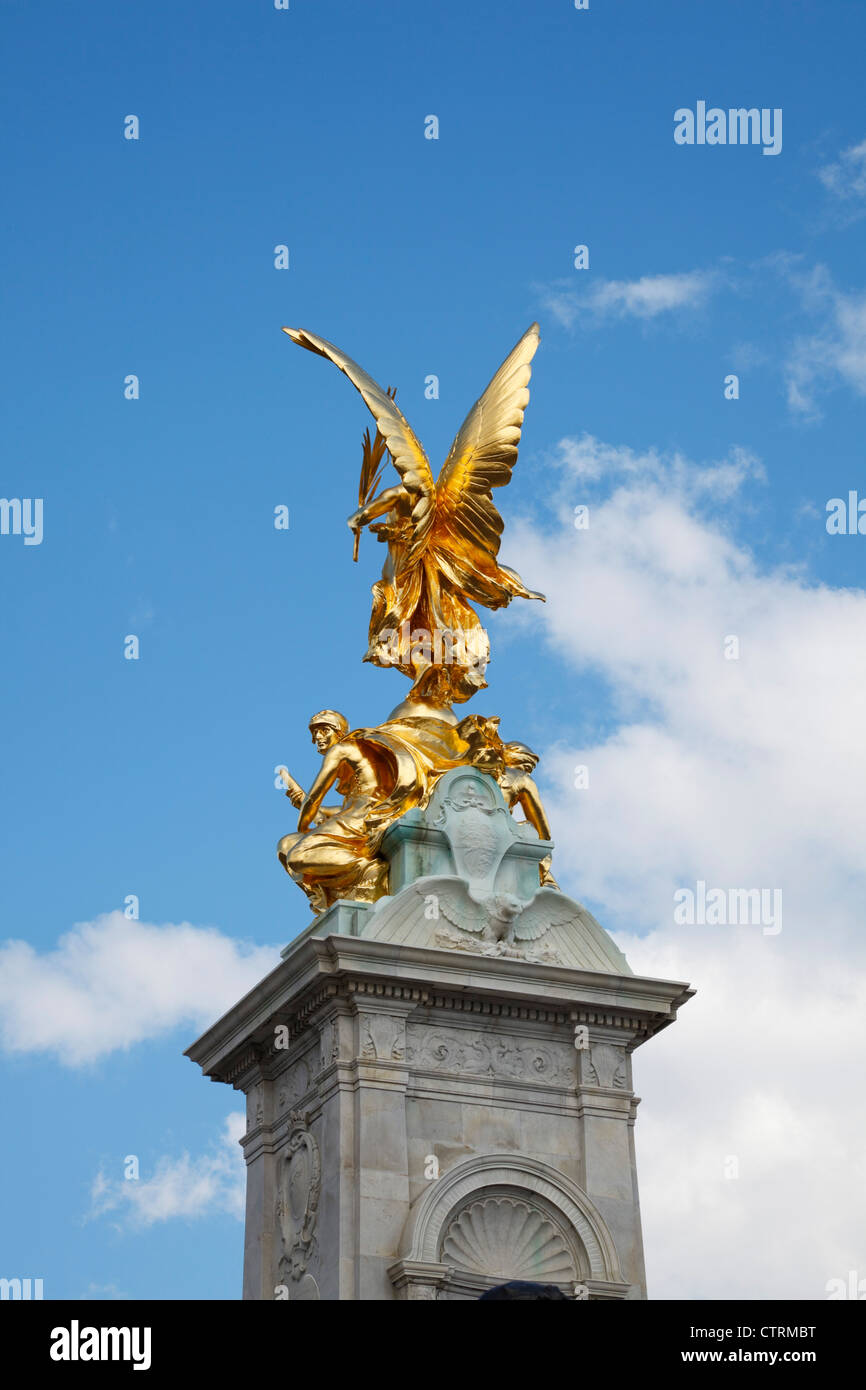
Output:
(438, 1075)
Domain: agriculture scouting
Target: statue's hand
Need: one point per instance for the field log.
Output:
(356, 525)
(294, 790)
(308, 816)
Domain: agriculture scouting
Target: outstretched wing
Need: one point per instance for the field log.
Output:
(483, 455)
(547, 909)
(404, 447)
(456, 906)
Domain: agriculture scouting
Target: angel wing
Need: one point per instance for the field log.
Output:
(405, 449)
(455, 515)
(547, 909)
(481, 458)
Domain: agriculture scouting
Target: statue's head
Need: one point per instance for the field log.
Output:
(521, 756)
(328, 727)
(486, 751)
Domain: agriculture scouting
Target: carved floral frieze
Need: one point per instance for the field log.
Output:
(468, 1053)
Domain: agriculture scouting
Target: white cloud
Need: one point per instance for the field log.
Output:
(114, 982)
(758, 1069)
(190, 1188)
(741, 773)
(747, 764)
(644, 298)
(846, 177)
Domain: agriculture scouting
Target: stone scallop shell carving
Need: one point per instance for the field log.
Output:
(507, 1239)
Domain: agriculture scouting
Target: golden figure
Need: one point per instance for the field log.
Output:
(512, 765)
(442, 536)
(380, 773)
(328, 854)
(519, 789)
(486, 749)
(443, 543)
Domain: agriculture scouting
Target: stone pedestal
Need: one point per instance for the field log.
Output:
(433, 1110)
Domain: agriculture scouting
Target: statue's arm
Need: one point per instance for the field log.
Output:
(379, 505)
(326, 778)
(529, 800)
(296, 794)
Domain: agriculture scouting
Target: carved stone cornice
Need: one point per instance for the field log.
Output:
(386, 989)
(496, 1008)
(245, 1065)
(349, 970)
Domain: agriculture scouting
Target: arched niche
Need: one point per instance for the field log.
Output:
(501, 1217)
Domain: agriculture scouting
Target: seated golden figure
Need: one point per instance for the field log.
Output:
(380, 774)
(329, 854)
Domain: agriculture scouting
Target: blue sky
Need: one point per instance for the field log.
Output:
(156, 257)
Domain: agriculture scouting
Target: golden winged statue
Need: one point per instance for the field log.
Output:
(442, 535)
(443, 546)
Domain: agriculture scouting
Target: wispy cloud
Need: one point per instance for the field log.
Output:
(184, 1187)
(828, 350)
(645, 298)
(585, 457)
(113, 982)
(846, 176)
(835, 352)
(104, 1293)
